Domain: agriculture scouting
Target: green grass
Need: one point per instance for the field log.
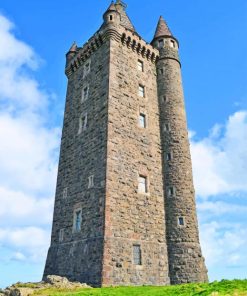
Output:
(231, 288)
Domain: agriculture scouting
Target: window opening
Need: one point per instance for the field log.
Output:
(137, 257)
(142, 184)
(142, 120)
(141, 90)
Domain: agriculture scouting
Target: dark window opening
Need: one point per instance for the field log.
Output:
(181, 221)
(137, 256)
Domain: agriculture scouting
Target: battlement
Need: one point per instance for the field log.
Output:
(128, 38)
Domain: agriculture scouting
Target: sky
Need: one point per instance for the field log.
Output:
(34, 37)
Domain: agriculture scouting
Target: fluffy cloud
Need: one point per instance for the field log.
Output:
(220, 160)
(28, 152)
(32, 241)
(224, 244)
(18, 208)
(220, 169)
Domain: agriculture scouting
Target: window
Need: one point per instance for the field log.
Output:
(171, 191)
(168, 156)
(137, 256)
(61, 235)
(111, 18)
(161, 42)
(86, 68)
(165, 99)
(82, 123)
(167, 127)
(173, 44)
(181, 221)
(141, 90)
(142, 184)
(161, 71)
(77, 221)
(140, 65)
(142, 120)
(91, 181)
(65, 193)
(85, 92)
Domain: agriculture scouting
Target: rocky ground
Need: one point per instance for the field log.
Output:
(51, 281)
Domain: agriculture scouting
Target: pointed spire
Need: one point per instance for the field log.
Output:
(73, 47)
(111, 7)
(125, 21)
(162, 29)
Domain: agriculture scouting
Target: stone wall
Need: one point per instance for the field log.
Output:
(131, 217)
(79, 255)
(186, 263)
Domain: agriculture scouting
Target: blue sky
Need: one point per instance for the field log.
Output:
(34, 37)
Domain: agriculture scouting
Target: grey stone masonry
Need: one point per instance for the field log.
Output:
(124, 209)
(186, 263)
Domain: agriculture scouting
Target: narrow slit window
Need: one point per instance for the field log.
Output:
(77, 221)
(165, 99)
(171, 191)
(111, 18)
(85, 92)
(142, 120)
(86, 68)
(168, 156)
(161, 42)
(167, 127)
(82, 123)
(140, 65)
(173, 44)
(142, 184)
(141, 91)
(61, 235)
(137, 255)
(91, 181)
(181, 221)
(161, 71)
(65, 193)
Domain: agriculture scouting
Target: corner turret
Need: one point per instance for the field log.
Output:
(71, 53)
(186, 263)
(165, 42)
(111, 16)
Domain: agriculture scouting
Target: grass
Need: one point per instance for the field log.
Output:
(223, 288)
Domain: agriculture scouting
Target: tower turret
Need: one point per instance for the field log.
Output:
(186, 263)
(111, 16)
(71, 53)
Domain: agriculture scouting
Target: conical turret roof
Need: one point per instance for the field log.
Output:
(125, 21)
(73, 47)
(162, 29)
(112, 7)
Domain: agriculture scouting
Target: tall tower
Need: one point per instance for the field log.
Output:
(124, 209)
(186, 263)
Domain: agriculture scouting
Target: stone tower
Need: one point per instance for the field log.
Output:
(125, 204)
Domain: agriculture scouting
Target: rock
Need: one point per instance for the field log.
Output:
(26, 289)
(63, 282)
(18, 291)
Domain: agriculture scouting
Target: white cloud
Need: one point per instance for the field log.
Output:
(18, 256)
(32, 241)
(220, 170)
(224, 244)
(220, 208)
(18, 208)
(220, 160)
(28, 152)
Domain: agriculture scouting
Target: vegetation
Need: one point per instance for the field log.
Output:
(225, 287)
